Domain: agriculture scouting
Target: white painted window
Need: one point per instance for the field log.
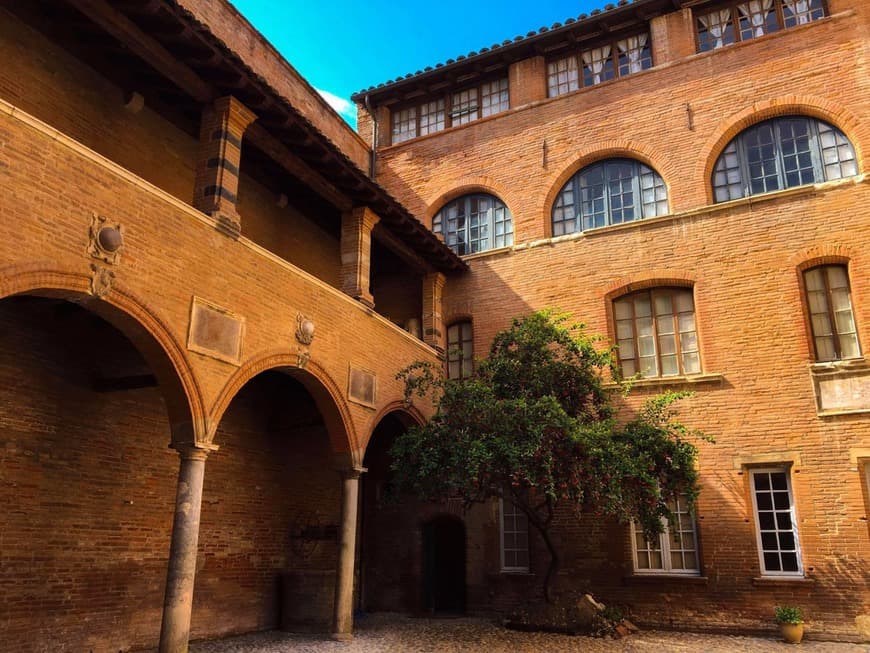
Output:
(514, 534)
(675, 551)
(775, 521)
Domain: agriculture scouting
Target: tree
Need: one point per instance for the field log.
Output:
(536, 426)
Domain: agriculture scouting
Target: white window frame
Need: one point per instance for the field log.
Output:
(784, 469)
(665, 548)
(501, 531)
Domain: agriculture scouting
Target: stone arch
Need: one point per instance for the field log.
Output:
(148, 333)
(322, 388)
(802, 105)
(586, 156)
(465, 186)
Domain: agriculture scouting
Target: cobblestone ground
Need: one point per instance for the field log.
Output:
(400, 634)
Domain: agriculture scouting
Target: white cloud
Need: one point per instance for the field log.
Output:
(345, 108)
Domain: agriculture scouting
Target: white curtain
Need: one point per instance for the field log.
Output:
(756, 11)
(716, 23)
(633, 47)
(800, 9)
(594, 61)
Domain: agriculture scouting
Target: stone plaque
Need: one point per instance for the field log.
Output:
(843, 390)
(215, 331)
(362, 387)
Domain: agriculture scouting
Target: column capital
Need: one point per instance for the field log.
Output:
(191, 451)
(238, 115)
(352, 473)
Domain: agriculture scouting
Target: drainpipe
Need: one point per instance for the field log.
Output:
(374, 154)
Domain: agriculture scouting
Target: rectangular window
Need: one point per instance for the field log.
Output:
(675, 551)
(749, 19)
(404, 125)
(431, 117)
(459, 108)
(464, 107)
(460, 353)
(778, 547)
(829, 302)
(595, 65)
(514, 538)
(494, 97)
(655, 333)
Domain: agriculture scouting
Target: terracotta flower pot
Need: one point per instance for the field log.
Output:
(792, 633)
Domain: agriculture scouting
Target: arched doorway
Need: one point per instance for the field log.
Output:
(444, 565)
(388, 553)
(271, 510)
(88, 400)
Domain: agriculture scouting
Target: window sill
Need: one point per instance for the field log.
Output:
(782, 581)
(656, 579)
(672, 380)
(507, 249)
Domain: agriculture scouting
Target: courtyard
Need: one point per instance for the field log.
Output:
(390, 633)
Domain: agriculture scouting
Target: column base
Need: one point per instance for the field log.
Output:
(342, 637)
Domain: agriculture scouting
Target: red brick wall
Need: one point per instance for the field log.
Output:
(742, 261)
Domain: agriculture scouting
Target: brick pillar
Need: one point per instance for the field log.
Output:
(672, 36)
(178, 600)
(217, 168)
(528, 81)
(342, 623)
(356, 253)
(433, 322)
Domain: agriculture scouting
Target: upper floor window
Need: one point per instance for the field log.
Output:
(741, 21)
(830, 306)
(460, 350)
(609, 192)
(655, 333)
(596, 65)
(453, 110)
(782, 153)
(474, 223)
(675, 551)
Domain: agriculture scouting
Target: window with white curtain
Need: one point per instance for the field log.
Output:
(782, 153)
(595, 65)
(749, 19)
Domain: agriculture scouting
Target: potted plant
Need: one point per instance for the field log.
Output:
(791, 623)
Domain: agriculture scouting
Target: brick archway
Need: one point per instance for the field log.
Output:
(145, 330)
(319, 384)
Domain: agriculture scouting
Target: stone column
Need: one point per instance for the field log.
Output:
(178, 600)
(356, 253)
(217, 167)
(342, 623)
(433, 320)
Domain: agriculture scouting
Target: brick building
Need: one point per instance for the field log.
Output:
(195, 253)
(688, 179)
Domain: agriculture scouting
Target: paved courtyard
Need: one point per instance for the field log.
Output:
(399, 634)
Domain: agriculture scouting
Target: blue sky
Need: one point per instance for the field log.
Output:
(341, 46)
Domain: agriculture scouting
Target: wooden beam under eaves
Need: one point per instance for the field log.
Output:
(145, 47)
(397, 246)
(257, 136)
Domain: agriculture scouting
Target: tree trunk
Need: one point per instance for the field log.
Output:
(553, 567)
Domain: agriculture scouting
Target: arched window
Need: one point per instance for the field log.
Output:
(609, 192)
(782, 153)
(474, 223)
(829, 300)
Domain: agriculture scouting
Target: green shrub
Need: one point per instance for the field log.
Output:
(787, 614)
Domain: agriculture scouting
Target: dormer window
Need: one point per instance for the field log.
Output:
(458, 108)
(595, 65)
